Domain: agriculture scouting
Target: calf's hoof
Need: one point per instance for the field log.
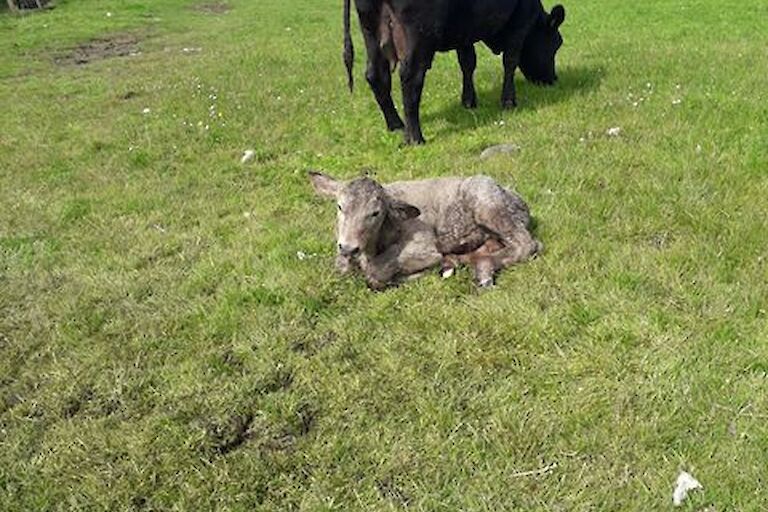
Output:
(344, 264)
(376, 286)
(484, 270)
(486, 283)
(538, 248)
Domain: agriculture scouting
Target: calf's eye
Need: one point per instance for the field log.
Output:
(375, 214)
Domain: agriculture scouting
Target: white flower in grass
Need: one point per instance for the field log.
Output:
(613, 132)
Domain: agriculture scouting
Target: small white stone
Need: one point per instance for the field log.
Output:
(685, 482)
(499, 149)
(248, 156)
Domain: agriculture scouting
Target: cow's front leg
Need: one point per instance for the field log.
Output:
(468, 62)
(511, 59)
(379, 77)
(412, 73)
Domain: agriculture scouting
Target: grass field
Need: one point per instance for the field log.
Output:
(163, 347)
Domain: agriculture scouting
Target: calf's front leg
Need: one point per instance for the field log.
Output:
(400, 261)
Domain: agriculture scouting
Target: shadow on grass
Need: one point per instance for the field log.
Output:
(572, 81)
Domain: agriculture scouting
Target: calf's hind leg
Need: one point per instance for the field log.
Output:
(481, 261)
(505, 222)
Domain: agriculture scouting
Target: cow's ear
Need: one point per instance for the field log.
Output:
(324, 185)
(556, 17)
(403, 211)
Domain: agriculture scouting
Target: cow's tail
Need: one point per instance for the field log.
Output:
(349, 51)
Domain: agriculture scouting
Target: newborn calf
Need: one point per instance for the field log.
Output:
(391, 232)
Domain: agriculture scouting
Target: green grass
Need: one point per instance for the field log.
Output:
(163, 348)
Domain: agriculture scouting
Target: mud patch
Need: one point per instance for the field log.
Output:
(128, 95)
(214, 8)
(313, 344)
(117, 45)
(77, 402)
(389, 490)
(300, 425)
(278, 380)
(223, 437)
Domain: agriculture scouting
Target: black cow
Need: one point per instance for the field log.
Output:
(409, 32)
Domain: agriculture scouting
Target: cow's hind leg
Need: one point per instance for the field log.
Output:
(511, 59)
(379, 77)
(468, 62)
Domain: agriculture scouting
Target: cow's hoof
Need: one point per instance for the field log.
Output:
(469, 102)
(395, 125)
(415, 141)
(508, 104)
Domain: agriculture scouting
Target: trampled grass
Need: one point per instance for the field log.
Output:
(163, 347)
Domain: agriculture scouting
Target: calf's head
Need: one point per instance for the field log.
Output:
(365, 212)
(537, 58)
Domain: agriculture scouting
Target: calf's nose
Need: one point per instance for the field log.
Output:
(348, 250)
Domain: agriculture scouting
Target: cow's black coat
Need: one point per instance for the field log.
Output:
(409, 32)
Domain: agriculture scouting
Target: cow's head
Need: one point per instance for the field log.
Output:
(537, 58)
(364, 212)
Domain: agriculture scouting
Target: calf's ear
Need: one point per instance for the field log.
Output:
(403, 211)
(557, 16)
(323, 184)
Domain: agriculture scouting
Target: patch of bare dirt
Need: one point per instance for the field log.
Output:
(117, 45)
(212, 8)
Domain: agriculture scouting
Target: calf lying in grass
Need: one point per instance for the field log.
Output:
(395, 231)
